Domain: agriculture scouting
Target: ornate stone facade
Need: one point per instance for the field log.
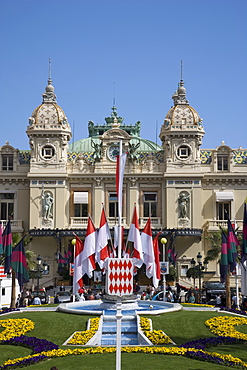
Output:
(50, 189)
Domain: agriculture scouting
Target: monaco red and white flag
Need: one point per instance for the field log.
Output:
(156, 276)
(104, 236)
(135, 237)
(148, 249)
(88, 253)
(77, 277)
(121, 160)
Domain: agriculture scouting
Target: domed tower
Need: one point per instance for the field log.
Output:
(49, 134)
(181, 134)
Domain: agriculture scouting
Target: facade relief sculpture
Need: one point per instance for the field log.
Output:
(47, 208)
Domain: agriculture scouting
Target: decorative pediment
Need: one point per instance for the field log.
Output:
(116, 134)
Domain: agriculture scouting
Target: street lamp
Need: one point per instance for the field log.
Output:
(40, 271)
(199, 268)
(163, 242)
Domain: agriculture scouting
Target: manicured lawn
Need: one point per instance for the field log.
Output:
(181, 326)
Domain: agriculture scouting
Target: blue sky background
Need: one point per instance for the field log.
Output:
(134, 45)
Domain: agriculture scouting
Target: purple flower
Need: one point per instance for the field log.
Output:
(208, 357)
(210, 342)
(37, 345)
(7, 310)
(25, 362)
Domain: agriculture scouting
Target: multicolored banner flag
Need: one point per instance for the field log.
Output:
(232, 243)
(169, 250)
(7, 246)
(223, 259)
(19, 263)
(244, 235)
(1, 239)
(61, 262)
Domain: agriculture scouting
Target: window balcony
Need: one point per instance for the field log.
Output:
(216, 225)
(113, 221)
(81, 222)
(78, 222)
(16, 225)
(155, 222)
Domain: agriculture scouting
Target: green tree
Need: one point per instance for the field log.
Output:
(173, 274)
(30, 263)
(193, 273)
(214, 251)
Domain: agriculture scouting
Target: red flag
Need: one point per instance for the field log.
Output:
(77, 278)
(134, 236)
(104, 235)
(156, 276)
(88, 253)
(148, 249)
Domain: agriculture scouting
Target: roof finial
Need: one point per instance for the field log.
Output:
(181, 71)
(49, 73)
(114, 100)
(49, 95)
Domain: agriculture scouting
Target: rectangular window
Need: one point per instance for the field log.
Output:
(80, 204)
(113, 205)
(7, 162)
(224, 209)
(7, 206)
(150, 204)
(222, 162)
(184, 269)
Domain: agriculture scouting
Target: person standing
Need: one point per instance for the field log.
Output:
(192, 298)
(18, 301)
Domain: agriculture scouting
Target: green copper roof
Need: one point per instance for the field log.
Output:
(85, 145)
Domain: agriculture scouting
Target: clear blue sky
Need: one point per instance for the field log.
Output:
(135, 45)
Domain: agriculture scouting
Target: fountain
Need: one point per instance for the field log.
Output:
(130, 306)
(107, 309)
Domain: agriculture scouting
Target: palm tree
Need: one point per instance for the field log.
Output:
(215, 240)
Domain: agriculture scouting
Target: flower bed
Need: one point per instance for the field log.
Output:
(50, 350)
(82, 337)
(157, 337)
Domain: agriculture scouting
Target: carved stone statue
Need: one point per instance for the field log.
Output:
(47, 205)
(97, 151)
(133, 156)
(183, 202)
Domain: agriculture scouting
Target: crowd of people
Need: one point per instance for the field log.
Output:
(27, 298)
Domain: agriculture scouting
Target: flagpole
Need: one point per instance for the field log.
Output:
(119, 302)
(237, 272)
(120, 206)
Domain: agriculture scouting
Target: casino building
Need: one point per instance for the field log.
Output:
(49, 189)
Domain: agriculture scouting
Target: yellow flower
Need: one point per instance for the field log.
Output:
(15, 328)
